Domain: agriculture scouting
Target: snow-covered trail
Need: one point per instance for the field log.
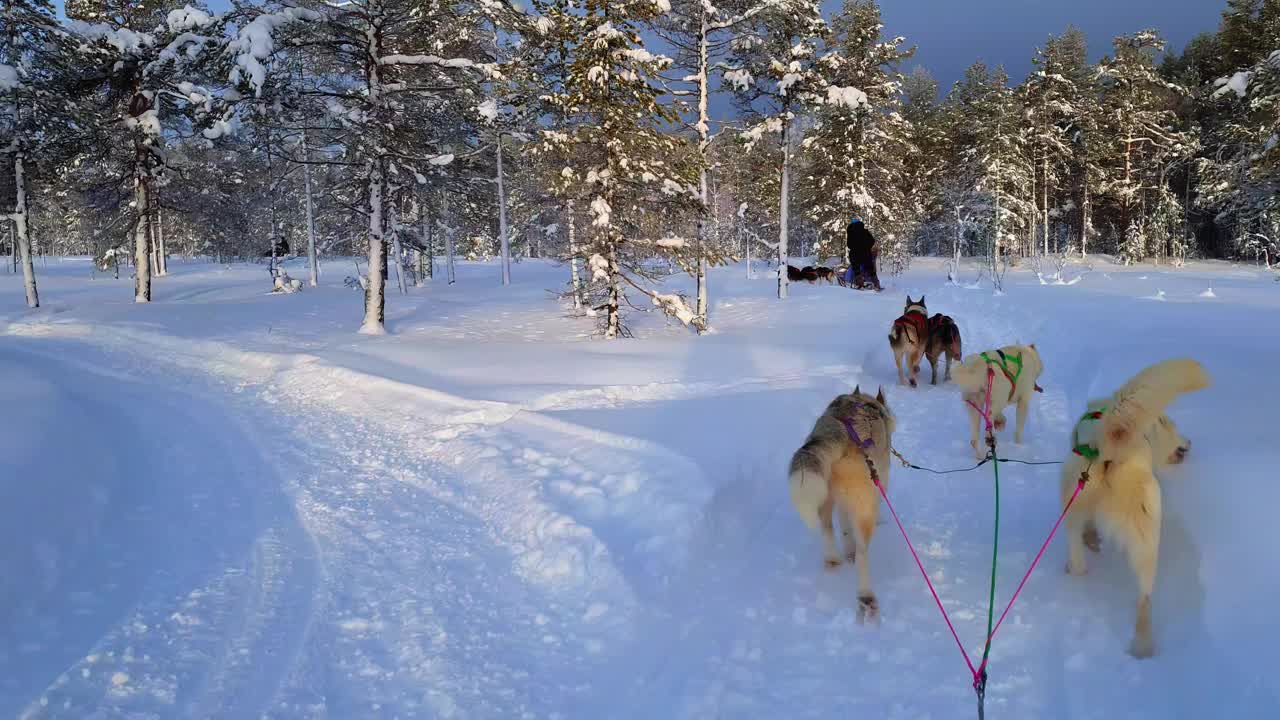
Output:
(140, 520)
(489, 522)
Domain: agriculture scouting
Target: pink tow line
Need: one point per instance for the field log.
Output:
(985, 412)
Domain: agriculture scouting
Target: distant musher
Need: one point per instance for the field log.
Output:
(863, 250)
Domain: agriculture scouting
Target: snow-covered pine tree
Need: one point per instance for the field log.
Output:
(37, 108)
(390, 65)
(857, 151)
(155, 80)
(1052, 104)
(701, 33)
(556, 33)
(776, 75)
(1237, 170)
(1142, 134)
(637, 179)
(991, 174)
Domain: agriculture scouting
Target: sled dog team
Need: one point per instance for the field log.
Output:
(1121, 441)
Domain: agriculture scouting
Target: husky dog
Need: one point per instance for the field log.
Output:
(1120, 442)
(1014, 372)
(825, 273)
(944, 337)
(830, 471)
(794, 274)
(908, 337)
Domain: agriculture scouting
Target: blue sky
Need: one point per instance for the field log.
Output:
(951, 34)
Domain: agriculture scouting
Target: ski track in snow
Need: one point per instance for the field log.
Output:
(392, 550)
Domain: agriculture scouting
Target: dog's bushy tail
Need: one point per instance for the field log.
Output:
(1142, 400)
(810, 476)
(897, 335)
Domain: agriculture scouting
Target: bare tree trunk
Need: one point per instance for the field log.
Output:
(393, 222)
(704, 143)
(313, 264)
(576, 280)
(448, 238)
(1086, 218)
(375, 292)
(784, 206)
(164, 248)
(613, 324)
(141, 236)
(503, 241)
(21, 233)
(1045, 214)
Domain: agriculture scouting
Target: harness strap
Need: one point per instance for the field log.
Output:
(1003, 364)
(853, 434)
(1082, 449)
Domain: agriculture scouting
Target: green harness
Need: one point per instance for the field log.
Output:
(1082, 449)
(1003, 364)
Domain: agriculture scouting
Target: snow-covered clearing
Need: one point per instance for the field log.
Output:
(228, 504)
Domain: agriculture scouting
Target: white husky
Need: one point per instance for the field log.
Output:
(1120, 442)
(1014, 370)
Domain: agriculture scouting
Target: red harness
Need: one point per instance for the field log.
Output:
(919, 320)
(938, 321)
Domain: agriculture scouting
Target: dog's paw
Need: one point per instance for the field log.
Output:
(1092, 539)
(999, 422)
(868, 609)
(913, 382)
(1142, 647)
(831, 563)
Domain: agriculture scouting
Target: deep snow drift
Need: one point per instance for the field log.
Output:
(227, 504)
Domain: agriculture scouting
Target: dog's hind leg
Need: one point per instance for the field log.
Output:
(1142, 542)
(847, 533)
(868, 607)
(933, 369)
(898, 355)
(1076, 564)
(947, 377)
(830, 555)
(913, 358)
(1024, 406)
(975, 427)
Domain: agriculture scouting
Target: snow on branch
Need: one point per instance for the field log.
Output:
(123, 40)
(188, 18)
(255, 43)
(9, 79)
(753, 135)
(740, 79)
(425, 60)
(1237, 83)
(850, 97)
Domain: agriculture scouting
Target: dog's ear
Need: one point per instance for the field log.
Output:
(921, 299)
(908, 299)
(857, 389)
(880, 395)
(1032, 346)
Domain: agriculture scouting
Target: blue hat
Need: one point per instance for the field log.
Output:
(855, 220)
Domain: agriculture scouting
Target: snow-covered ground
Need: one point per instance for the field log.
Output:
(227, 504)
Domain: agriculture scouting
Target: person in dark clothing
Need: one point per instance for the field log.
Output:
(863, 250)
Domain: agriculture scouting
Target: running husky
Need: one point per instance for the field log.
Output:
(944, 337)
(831, 471)
(908, 337)
(1120, 442)
(1015, 370)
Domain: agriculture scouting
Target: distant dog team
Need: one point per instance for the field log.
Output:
(1118, 445)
